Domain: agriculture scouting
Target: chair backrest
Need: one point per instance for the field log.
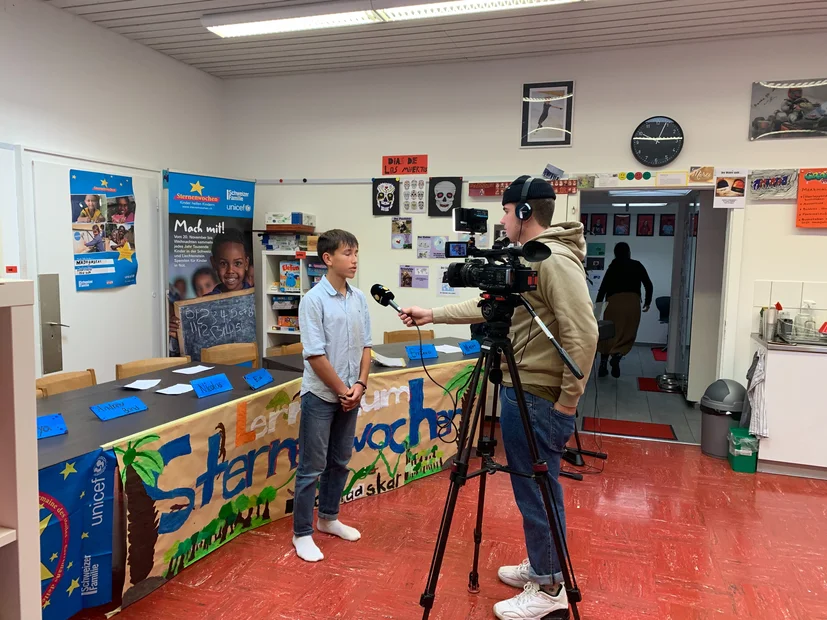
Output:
(290, 349)
(408, 335)
(231, 354)
(60, 382)
(140, 367)
(662, 304)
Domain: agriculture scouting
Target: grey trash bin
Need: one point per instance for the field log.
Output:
(721, 408)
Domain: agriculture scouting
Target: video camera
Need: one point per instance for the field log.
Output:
(496, 271)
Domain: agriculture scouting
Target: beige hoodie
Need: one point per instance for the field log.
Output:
(563, 303)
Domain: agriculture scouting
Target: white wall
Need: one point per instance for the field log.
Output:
(69, 86)
(467, 118)
(654, 252)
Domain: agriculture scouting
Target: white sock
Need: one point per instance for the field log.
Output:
(306, 549)
(337, 528)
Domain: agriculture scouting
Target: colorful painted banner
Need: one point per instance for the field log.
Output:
(195, 484)
(103, 230)
(210, 243)
(772, 184)
(76, 534)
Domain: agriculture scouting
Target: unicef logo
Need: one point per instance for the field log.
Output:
(248, 208)
(77, 236)
(100, 466)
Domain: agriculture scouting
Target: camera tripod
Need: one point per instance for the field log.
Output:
(498, 311)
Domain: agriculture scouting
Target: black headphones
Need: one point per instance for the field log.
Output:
(524, 209)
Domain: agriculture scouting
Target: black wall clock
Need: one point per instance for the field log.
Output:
(657, 141)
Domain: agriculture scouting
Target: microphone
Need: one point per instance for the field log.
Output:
(384, 297)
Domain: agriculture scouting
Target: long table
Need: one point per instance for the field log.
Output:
(192, 474)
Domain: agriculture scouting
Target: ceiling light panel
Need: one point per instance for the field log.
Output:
(405, 10)
(295, 24)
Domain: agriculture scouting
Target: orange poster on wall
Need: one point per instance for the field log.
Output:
(396, 165)
(812, 198)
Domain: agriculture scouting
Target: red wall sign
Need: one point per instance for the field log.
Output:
(398, 165)
(562, 186)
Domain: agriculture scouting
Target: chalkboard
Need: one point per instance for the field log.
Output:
(216, 319)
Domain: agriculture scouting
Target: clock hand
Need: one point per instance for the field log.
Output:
(663, 126)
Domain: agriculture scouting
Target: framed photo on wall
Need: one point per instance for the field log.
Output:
(792, 109)
(599, 223)
(667, 225)
(622, 225)
(646, 225)
(547, 114)
(584, 219)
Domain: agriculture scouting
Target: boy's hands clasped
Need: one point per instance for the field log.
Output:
(351, 399)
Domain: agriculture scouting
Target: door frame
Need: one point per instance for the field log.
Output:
(27, 157)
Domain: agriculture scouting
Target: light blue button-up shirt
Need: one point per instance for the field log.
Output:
(337, 326)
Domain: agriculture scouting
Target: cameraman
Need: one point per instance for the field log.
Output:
(562, 302)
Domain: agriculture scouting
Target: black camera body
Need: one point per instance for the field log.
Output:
(498, 271)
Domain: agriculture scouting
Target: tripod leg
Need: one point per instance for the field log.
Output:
(458, 477)
(483, 450)
(541, 477)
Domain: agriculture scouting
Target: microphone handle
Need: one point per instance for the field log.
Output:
(393, 305)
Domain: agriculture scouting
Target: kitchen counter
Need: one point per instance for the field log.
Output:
(794, 376)
(780, 345)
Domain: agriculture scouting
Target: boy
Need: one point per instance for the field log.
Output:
(335, 332)
(230, 261)
(91, 212)
(203, 281)
(96, 244)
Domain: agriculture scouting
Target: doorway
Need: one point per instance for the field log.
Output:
(89, 329)
(661, 228)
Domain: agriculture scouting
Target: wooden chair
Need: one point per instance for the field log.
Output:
(408, 335)
(60, 382)
(140, 367)
(232, 354)
(290, 349)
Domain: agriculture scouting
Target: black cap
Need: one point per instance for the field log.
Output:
(539, 188)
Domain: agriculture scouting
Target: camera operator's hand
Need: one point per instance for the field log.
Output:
(416, 316)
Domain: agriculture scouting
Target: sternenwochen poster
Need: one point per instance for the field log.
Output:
(103, 230)
(76, 534)
(210, 243)
(194, 485)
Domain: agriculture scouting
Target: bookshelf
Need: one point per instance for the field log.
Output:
(274, 334)
(19, 537)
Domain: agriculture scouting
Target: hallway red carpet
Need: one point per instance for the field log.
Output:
(663, 533)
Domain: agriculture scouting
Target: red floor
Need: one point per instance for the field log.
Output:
(663, 533)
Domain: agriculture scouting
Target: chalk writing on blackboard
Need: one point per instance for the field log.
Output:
(216, 319)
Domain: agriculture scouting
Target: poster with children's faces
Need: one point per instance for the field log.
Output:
(414, 194)
(402, 233)
(105, 255)
(210, 239)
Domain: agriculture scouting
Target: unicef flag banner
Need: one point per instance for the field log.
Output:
(103, 230)
(76, 513)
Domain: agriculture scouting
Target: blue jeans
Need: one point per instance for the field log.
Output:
(325, 445)
(552, 430)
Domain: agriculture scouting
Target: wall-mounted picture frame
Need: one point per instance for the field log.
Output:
(599, 224)
(645, 225)
(667, 225)
(584, 219)
(788, 109)
(548, 108)
(622, 225)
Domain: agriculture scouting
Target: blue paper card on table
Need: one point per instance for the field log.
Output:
(118, 408)
(425, 352)
(50, 426)
(469, 347)
(258, 378)
(209, 386)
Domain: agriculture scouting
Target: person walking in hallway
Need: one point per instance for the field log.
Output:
(621, 288)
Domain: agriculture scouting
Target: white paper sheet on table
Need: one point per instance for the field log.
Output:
(389, 362)
(448, 348)
(142, 384)
(193, 370)
(178, 388)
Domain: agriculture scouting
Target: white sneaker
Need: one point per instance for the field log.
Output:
(516, 576)
(532, 604)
